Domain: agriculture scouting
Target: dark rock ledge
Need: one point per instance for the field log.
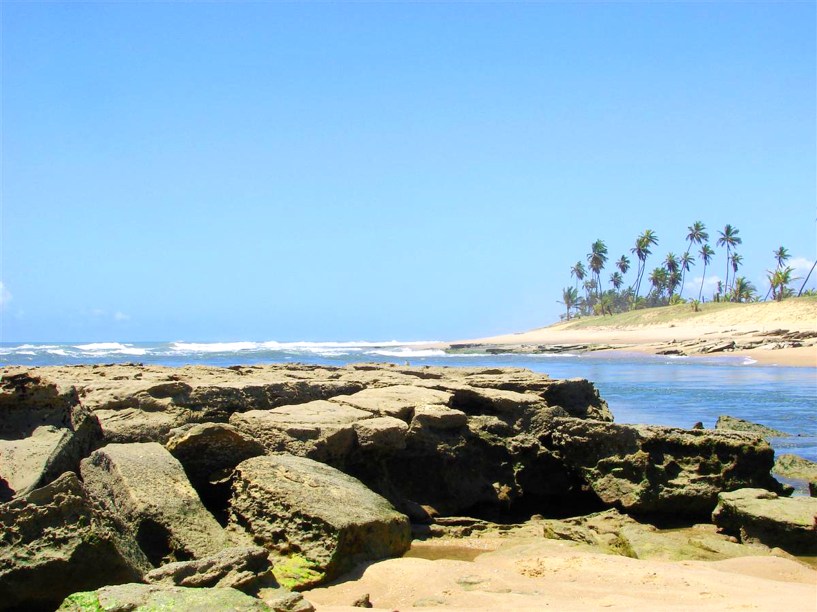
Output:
(269, 479)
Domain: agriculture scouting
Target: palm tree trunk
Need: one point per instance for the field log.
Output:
(803, 286)
(703, 278)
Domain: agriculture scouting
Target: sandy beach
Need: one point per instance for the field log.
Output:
(536, 574)
(770, 333)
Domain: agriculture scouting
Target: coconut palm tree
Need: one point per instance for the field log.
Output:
(642, 251)
(687, 261)
(736, 260)
(623, 264)
(671, 266)
(596, 260)
(616, 280)
(742, 290)
(779, 281)
(706, 254)
(730, 239)
(781, 255)
(579, 272)
(570, 298)
(697, 234)
(658, 279)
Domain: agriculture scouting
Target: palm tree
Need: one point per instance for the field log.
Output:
(570, 297)
(658, 279)
(671, 266)
(781, 255)
(687, 261)
(596, 260)
(779, 282)
(706, 254)
(589, 286)
(697, 234)
(728, 238)
(616, 280)
(579, 272)
(642, 251)
(742, 290)
(623, 264)
(736, 260)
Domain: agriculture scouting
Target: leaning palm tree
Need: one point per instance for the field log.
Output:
(570, 298)
(642, 251)
(697, 234)
(596, 259)
(808, 276)
(687, 261)
(728, 238)
(706, 254)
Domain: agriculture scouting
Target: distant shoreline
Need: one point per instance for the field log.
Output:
(770, 333)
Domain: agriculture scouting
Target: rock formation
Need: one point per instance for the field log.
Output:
(184, 469)
(757, 515)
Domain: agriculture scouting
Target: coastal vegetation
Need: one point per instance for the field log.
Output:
(765, 313)
(665, 284)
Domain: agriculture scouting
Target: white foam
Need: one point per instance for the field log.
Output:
(214, 347)
(101, 346)
(59, 352)
(407, 352)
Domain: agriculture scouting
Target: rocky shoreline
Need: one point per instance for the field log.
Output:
(128, 485)
(708, 344)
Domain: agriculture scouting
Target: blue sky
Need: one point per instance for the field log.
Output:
(338, 171)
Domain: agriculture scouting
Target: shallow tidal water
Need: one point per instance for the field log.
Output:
(639, 388)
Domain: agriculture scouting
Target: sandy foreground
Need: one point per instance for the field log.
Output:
(557, 575)
(744, 324)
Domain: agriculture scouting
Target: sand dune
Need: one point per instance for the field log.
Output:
(762, 331)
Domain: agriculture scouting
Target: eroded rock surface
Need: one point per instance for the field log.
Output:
(146, 486)
(319, 520)
(44, 432)
(54, 541)
(246, 568)
(758, 515)
(652, 469)
(734, 424)
(303, 458)
(129, 597)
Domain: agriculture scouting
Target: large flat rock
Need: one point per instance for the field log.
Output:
(757, 515)
(146, 486)
(320, 430)
(321, 521)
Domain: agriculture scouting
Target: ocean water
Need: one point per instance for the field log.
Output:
(638, 388)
